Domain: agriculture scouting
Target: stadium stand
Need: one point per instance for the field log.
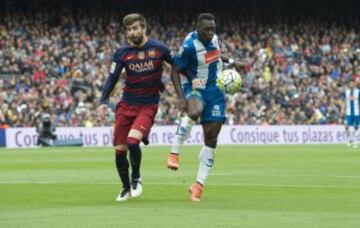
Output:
(57, 58)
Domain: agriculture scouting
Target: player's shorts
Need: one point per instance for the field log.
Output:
(352, 121)
(214, 103)
(128, 116)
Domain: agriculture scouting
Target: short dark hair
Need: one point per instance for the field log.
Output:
(205, 16)
(133, 17)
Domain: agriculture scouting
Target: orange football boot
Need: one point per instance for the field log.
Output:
(173, 161)
(195, 191)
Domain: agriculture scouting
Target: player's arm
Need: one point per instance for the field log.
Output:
(181, 60)
(344, 104)
(169, 60)
(113, 78)
(237, 64)
(167, 55)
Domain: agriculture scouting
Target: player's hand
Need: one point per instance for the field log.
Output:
(197, 83)
(182, 105)
(239, 66)
(102, 110)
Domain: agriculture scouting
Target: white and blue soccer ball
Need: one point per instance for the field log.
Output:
(229, 81)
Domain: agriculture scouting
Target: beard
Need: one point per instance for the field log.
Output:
(136, 39)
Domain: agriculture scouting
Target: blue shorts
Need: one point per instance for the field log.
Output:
(214, 103)
(352, 121)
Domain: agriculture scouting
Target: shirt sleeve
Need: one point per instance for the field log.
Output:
(167, 54)
(182, 58)
(114, 74)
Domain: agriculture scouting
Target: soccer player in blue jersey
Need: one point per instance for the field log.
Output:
(199, 96)
(352, 113)
(142, 58)
(186, 124)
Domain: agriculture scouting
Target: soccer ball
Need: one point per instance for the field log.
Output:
(229, 81)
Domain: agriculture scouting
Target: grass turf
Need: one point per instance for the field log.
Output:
(250, 186)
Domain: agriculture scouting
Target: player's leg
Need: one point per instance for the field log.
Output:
(133, 142)
(121, 129)
(212, 119)
(355, 134)
(122, 166)
(195, 108)
(182, 133)
(141, 127)
(206, 158)
(349, 129)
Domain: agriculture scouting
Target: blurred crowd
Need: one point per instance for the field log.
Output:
(295, 73)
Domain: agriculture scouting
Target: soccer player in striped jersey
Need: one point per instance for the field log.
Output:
(352, 112)
(199, 56)
(142, 58)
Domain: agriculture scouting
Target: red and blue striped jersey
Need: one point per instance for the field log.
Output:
(143, 68)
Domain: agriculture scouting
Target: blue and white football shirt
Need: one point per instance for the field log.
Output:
(352, 102)
(199, 60)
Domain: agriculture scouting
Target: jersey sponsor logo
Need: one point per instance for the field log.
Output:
(142, 127)
(141, 55)
(212, 56)
(142, 67)
(112, 67)
(351, 98)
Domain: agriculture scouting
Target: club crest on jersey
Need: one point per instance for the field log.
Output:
(141, 55)
(212, 56)
(216, 111)
(152, 54)
(142, 67)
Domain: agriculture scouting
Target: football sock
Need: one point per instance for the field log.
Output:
(122, 166)
(354, 136)
(207, 156)
(135, 157)
(182, 133)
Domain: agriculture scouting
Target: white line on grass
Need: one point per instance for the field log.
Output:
(185, 184)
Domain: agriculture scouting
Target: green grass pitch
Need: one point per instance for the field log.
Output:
(249, 186)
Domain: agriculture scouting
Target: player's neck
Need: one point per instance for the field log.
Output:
(142, 44)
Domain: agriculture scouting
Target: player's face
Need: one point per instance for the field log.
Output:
(206, 30)
(135, 33)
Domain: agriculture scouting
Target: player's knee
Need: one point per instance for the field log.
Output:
(212, 142)
(210, 138)
(122, 148)
(132, 141)
(211, 133)
(194, 114)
